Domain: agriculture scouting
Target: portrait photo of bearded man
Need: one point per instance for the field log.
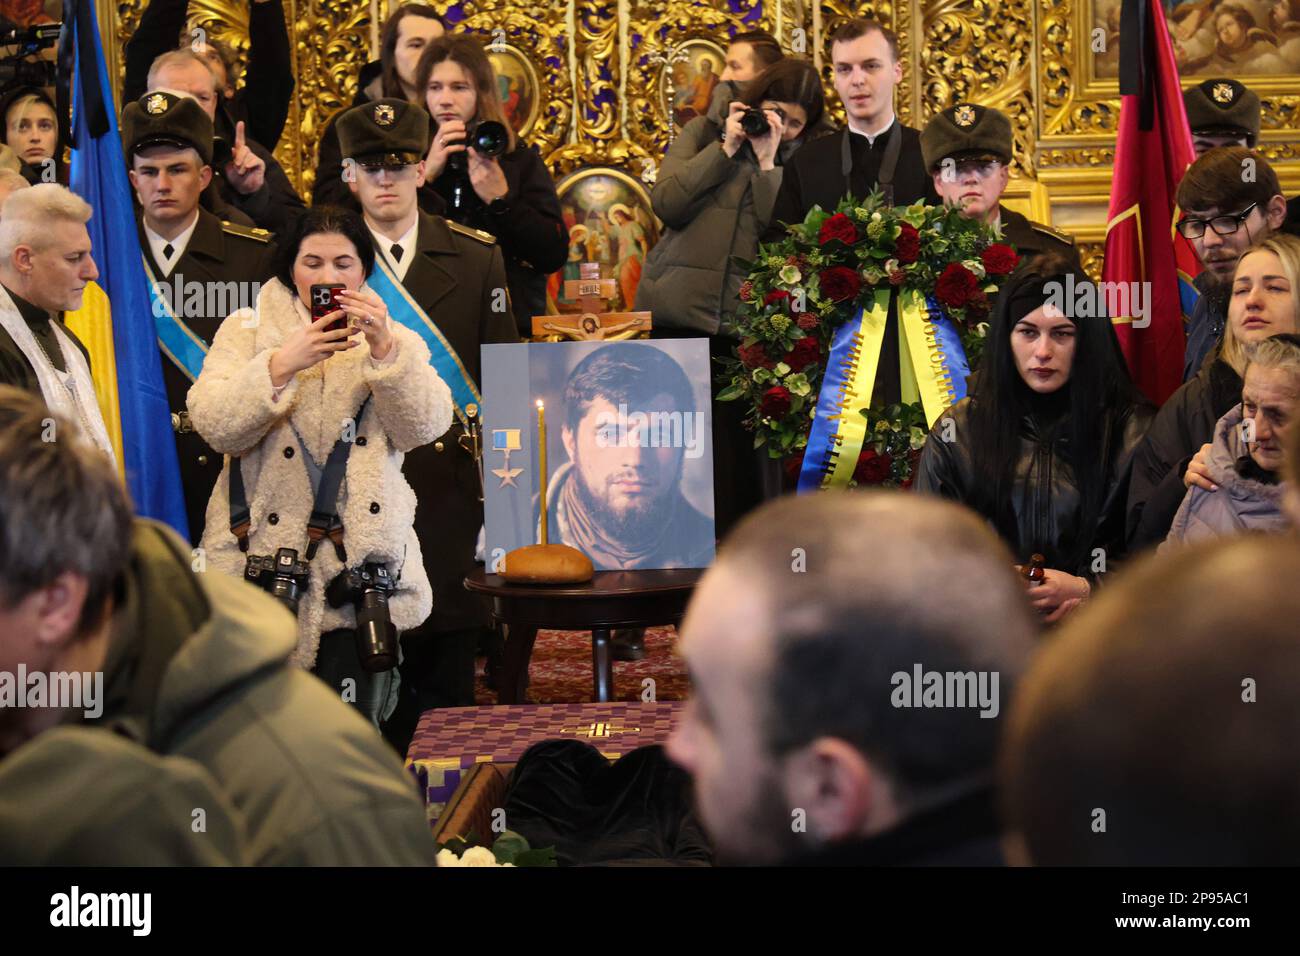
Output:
(633, 434)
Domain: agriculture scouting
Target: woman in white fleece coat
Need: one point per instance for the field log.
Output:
(274, 384)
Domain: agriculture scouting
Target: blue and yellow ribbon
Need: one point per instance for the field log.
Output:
(932, 370)
(404, 309)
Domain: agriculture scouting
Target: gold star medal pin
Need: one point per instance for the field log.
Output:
(385, 114)
(1222, 93)
(506, 440)
(964, 115)
(155, 104)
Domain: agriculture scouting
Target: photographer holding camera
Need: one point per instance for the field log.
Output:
(715, 193)
(490, 180)
(316, 396)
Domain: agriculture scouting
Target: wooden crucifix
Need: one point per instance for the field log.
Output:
(591, 323)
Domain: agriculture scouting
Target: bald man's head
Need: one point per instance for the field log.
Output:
(1159, 726)
(796, 640)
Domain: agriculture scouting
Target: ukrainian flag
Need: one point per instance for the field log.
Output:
(116, 318)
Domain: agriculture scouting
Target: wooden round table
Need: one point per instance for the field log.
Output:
(612, 599)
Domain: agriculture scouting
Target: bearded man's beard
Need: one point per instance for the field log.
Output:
(1218, 293)
(638, 522)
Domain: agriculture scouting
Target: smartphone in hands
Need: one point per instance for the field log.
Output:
(324, 300)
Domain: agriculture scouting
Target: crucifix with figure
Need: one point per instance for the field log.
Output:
(591, 323)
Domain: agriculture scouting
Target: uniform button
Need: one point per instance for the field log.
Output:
(374, 507)
(437, 446)
(203, 459)
(288, 453)
(362, 441)
(273, 518)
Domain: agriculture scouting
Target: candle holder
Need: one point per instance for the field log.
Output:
(545, 563)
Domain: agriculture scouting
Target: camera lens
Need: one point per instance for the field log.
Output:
(490, 138)
(376, 635)
(286, 591)
(754, 123)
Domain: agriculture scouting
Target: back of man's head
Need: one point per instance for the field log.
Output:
(63, 507)
(1159, 727)
(890, 624)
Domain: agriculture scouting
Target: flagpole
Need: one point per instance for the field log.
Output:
(108, 28)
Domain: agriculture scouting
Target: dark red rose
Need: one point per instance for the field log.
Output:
(746, 290)
(840, 227)
(907, 248)
(999, 259)
(793, 465)
(776, 295)
(754, 356)
(955, 286)
(840, 283)
(775, 402)
(897, 277)
(806, 321)
(806, 351)
(873, 468)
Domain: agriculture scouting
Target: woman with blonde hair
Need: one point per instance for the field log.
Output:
(1264, 300)
(510, 195)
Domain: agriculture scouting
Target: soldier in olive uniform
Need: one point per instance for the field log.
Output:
(200, 268)
(1221, 112)
(448, 282)
(967, 149)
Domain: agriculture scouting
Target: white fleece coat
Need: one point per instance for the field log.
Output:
(232, 406)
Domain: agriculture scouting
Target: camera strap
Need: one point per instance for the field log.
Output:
(888, 162)
(326, 481)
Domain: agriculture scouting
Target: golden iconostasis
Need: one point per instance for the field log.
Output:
(595, 84)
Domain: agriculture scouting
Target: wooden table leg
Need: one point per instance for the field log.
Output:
(602, 664)
(514, 671)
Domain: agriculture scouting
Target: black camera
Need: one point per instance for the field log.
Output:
(367, 588)
(284, 577)
(17, 69)
(754, 121)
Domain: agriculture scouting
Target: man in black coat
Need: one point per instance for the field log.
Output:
(841, 714)
(249, 179)
(860, 158)
(875, 151)
(263, 100)
(202, 269)
(450, 282)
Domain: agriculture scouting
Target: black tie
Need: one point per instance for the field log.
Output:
(167, 251)
(397, 252)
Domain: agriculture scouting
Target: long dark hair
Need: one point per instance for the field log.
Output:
(392, 83)
(322, 219)
(467, 51)
(792, 81)
(1100, 396)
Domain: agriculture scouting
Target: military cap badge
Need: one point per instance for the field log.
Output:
(155, 104)
(385, 115)
(964, 115)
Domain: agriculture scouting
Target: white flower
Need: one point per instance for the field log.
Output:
(478, 856)
(790, 275)
(447, 858)
(975, 266)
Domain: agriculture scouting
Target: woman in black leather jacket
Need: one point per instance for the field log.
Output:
(512, 195)
(1043, 445)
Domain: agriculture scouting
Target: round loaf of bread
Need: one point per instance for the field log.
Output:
(547, 564)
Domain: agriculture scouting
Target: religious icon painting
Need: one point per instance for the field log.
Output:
(688, 79)
(517, 86)
(610, 221)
